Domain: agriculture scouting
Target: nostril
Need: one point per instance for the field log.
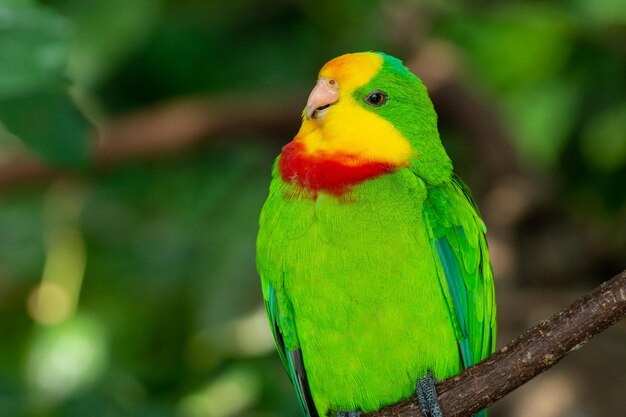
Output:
(332, 82)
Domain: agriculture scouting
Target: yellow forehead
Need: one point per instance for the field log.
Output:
(352, 70)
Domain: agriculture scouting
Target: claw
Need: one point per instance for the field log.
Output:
(427, 396)
(349, 413)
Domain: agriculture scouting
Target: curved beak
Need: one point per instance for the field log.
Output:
(324, 94)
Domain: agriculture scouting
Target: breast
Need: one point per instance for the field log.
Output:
(361, 276)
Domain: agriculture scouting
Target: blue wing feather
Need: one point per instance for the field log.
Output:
(458, 291)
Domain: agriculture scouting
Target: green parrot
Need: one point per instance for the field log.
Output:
(371, 252)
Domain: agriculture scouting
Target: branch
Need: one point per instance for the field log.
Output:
(535, 351)
(167, 129)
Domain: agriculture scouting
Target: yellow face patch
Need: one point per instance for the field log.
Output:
(347, 128)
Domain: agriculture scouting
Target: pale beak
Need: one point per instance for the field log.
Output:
(325, 93)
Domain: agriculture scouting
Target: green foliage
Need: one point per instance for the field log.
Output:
(104, 37)
(33, 46)
(33, 102)
(50, 124)
(520, 51)
(541, 116)
(556, 71)
(603, 141)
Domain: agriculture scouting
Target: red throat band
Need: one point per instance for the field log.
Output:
(326, 173)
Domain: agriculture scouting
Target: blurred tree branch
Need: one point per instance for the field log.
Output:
(165, 130)
(533, 352)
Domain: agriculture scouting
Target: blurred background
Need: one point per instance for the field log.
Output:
(135, 151)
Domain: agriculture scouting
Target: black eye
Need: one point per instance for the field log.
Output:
(376, 98)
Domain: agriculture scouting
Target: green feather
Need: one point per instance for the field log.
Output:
(458, 233)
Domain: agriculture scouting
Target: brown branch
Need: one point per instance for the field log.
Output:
(533, 352)
(167, 129)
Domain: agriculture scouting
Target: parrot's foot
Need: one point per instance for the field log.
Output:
(349, 413)
(427, 396)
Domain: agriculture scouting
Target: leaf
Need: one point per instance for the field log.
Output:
(50, 124)
(602, 11)
(603, 140)
(106, 33)
(513, 46)
(34, 104)
(33, 47)
(540, 117)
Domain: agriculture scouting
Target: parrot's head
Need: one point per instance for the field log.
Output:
(367, 115)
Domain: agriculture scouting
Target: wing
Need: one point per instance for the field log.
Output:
(283, 328)
(458, 236)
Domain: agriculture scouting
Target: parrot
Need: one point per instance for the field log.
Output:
(372, 254)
